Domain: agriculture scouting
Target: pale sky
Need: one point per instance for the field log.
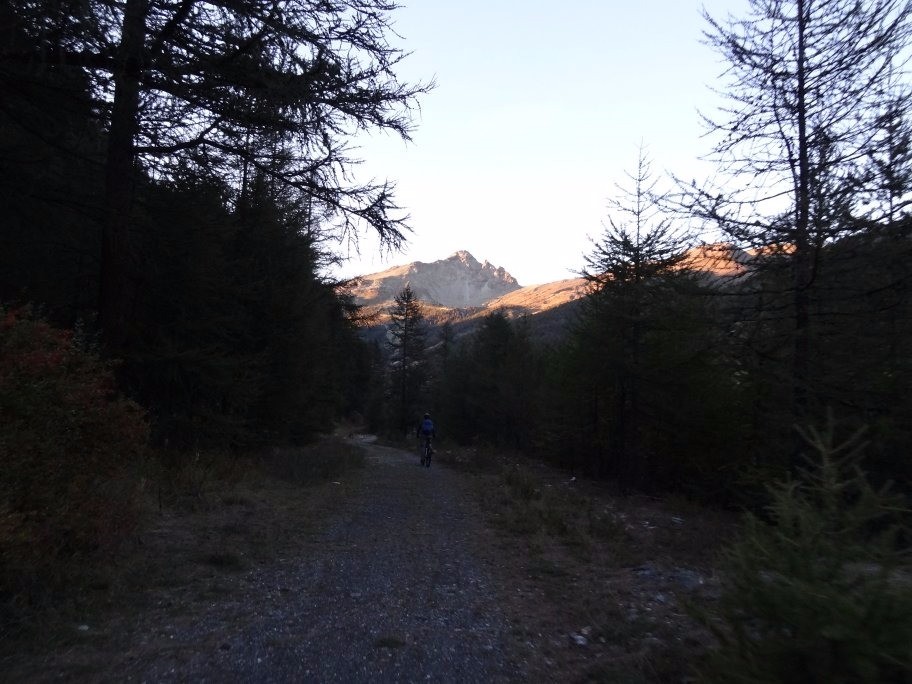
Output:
(539, 110)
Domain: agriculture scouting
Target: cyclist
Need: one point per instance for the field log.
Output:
(427, 431)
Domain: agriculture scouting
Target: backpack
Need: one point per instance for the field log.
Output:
(427, 426)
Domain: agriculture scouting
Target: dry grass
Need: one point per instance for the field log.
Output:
(595, 584)
(479, 459)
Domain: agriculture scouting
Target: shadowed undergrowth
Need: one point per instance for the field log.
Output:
(205, 519)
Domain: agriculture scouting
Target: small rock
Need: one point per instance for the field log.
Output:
(579, 639)
(688, 579)
(646, 570)
(83, 628)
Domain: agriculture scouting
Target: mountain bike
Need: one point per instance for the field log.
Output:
(426, 452)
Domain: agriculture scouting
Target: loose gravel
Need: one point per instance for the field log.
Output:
(386, 590)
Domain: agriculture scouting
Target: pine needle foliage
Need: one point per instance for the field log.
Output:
(819, 591)
(407, 340)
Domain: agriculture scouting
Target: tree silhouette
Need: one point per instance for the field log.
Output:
(227, 88)
(805, 85)
(406, 341)
(493, 384)
(633, 271)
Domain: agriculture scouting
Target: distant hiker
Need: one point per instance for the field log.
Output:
(426, 427)
(426, 431)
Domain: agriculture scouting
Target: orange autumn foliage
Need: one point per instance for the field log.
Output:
(67, 444)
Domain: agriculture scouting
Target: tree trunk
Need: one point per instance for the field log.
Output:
(115, 285)
(801, 262)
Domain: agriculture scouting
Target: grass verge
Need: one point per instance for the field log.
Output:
(595, 584)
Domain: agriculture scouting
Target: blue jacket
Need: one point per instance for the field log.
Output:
(426, 428)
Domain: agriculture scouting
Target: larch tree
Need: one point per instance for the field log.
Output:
(804, 88)
(235, 88)
(632, 271)
(406, 341)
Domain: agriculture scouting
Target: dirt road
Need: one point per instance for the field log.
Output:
(393, 572)
(386, 589)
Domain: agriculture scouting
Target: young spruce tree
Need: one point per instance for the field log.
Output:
(406, 341)
(632, 271)
(818, 591)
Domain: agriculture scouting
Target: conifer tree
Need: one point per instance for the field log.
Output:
(633, 273)
(804, 84)
(406, 341)
(817, 591)
(227, 88)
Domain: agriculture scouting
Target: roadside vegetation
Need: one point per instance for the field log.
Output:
(596, 583)
(93, 518)
(605, 586)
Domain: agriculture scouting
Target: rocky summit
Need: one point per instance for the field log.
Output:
(462, 290)
(459, 281)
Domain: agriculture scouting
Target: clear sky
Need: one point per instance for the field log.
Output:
(539, 110)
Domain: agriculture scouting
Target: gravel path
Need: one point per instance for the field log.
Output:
(388, 590)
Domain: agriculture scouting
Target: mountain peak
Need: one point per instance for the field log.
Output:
(465, 258)
(459, 281)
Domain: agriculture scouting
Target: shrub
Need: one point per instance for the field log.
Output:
(66, 442)
(819, 591)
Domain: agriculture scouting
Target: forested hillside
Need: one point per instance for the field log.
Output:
(676, 370)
